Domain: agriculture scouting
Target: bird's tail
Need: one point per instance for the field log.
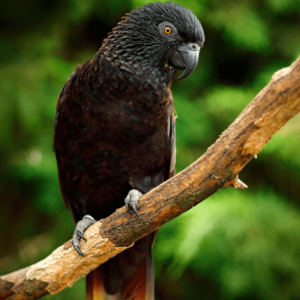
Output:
(141, 286)
(128, 276)
(94, 287)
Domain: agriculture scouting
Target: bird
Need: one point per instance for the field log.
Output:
(114, 136)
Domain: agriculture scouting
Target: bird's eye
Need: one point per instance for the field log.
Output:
(168, 30)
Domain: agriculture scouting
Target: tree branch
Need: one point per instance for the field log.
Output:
(218, 168)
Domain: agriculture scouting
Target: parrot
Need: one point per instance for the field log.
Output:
(114, 135)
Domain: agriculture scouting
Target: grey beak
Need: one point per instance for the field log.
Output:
(185, 58)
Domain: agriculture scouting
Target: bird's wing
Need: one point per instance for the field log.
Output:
(172, 135)
(64, 163)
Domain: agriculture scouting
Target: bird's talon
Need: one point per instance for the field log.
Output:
(135, 210)
(81, 235)
(78, 250)
(81, 227)
(131, 201)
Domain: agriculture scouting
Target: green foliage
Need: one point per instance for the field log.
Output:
(241, 26)
(235, 245)
(242, 242)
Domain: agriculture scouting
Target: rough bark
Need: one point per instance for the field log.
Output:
(218, 168)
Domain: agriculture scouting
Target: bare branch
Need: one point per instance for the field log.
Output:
(219, 167)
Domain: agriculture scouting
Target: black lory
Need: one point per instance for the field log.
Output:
(115, 132)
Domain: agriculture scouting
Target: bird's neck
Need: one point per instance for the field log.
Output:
(138, 75)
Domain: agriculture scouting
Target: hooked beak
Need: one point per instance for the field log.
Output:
(185, 58)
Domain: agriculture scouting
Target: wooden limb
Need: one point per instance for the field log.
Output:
(236, 183)
(219, 167)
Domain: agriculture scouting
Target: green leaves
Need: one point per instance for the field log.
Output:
(243, 241)
(240, 25)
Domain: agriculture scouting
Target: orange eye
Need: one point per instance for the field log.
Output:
(168, 30)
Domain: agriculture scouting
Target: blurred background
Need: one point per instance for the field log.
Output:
(235, 245)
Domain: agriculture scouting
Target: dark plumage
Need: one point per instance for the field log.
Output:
(115, 125)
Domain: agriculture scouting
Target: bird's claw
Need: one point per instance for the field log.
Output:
(134, 207)
(81, 227)
(81, 235)
(77, 248)
(131, 201)
(127, 206)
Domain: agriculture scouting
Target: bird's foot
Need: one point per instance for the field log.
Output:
(132, 200)
(81, 227)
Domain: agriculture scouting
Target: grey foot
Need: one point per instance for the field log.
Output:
(81, 227)
(132, 200)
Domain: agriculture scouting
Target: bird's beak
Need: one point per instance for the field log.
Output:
(185, 58)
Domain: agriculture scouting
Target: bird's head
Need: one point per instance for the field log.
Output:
(159, 37)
